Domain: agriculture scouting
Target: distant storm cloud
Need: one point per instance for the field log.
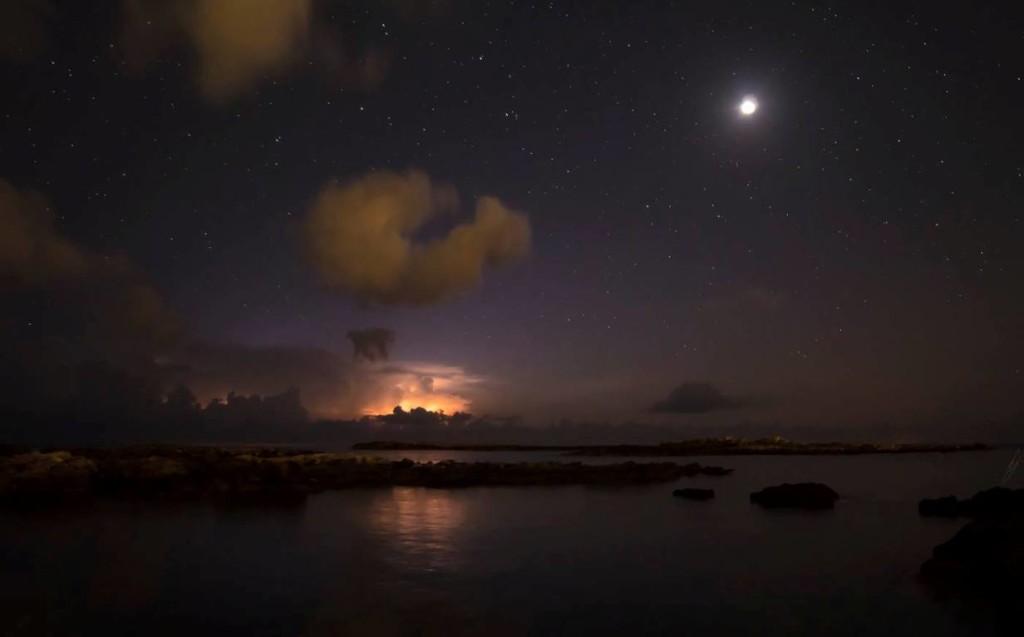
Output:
(361, 238)
(371, 344)
(696, 398)
(331, 385)
(431, 386)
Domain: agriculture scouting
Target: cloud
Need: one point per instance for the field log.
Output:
(361, 239)
(36, 260)
(31, 250)
(236, 43)
(372, 344)
(332, 385)
(696, 398)
(435, 387)
(24, 28)
(64, 304)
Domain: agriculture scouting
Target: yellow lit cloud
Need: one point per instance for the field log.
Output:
(237, 43)
(361, 239)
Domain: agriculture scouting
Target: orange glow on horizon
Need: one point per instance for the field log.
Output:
(447, 404)
(431, 387)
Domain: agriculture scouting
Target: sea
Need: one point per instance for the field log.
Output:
(509, 561)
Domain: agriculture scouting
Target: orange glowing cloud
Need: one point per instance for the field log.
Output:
(433, 387)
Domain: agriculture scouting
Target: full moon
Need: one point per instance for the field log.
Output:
(748, 106)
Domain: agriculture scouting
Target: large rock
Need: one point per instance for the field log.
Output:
(984, 559)
(998, 502)
(802, 495)
(694, 494)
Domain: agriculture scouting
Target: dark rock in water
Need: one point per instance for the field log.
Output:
(694, 494)
(803, 495)
(992, 503)
(985, 560)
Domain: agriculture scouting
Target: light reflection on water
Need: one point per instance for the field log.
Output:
(421, 527)
(515, 561)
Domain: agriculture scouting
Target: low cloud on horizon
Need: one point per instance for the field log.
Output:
(332, 385)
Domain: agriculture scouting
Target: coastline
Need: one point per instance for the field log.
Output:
(169, 472)
(695, 447)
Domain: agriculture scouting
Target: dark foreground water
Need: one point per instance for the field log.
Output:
(506, 561)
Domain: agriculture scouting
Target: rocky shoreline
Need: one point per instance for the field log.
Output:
(169, 472)
(727, 446)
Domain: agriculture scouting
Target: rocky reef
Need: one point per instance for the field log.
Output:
(197, 472)
(801, 495)
(694, 494)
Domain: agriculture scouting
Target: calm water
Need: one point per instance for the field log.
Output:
(506, 561)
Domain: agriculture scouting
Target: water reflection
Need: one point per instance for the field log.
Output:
(422, 527)
(491, 561)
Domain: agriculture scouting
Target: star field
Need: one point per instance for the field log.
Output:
(850, 251)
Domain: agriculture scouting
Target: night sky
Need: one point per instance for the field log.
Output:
(847, 254)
